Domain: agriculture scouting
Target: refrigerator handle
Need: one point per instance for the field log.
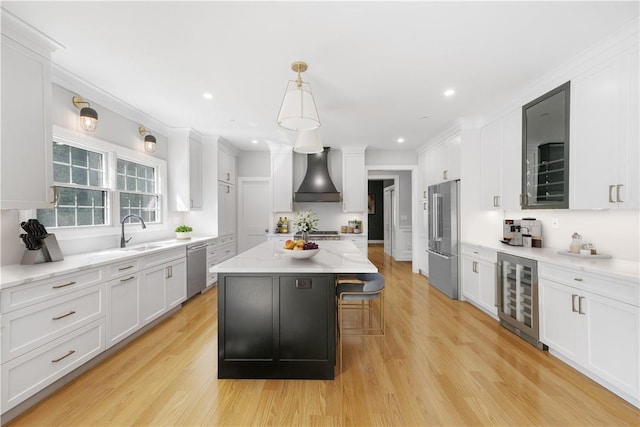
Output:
(435, 209)
(499, 286)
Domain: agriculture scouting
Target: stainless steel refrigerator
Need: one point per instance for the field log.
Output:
(443, 238)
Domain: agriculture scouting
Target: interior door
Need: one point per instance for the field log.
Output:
(254, 212)
(388, 219)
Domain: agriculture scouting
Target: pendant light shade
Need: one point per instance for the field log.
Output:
(88, 116)
(149, 140)
(308, 142)
(298, 110)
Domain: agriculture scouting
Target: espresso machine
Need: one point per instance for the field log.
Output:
(522, 232)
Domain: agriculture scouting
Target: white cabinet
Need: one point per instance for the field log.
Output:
(176, 282)
(501, 163)
(604, 147)
(226, 209)
(226, 166)
(479, 278)
(184, 174)
(354, 180)
(153, 294)
(219, 250)
(195, 174)
(123, 308)
(26, 143)
(443, 161)
(282, 181)
(593, 322)
(359, 241)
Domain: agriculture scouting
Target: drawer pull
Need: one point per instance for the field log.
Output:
(580, 299)
(573, 303)
(63, 316)
(63, 357)
(62, 286)
(578, 279)
(611, 194)
(127, 279)
(125, 268)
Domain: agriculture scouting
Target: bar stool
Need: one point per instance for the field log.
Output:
(358, 293)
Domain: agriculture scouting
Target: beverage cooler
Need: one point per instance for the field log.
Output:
(518, 297)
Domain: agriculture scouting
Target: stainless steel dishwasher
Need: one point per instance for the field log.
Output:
(196, 268)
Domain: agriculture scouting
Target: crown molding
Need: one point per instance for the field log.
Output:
(21, 32)
(448, 133)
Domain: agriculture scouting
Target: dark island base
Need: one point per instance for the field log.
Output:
(276, 326)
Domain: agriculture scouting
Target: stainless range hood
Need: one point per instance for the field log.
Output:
(317, 185)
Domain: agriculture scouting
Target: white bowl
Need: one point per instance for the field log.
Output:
(301, 254)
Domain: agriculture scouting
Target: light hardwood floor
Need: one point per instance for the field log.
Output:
(444, 363)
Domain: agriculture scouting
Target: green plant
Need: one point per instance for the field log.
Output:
(305, 221)
(183, 229)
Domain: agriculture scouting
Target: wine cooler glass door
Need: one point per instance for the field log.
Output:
(518, 293)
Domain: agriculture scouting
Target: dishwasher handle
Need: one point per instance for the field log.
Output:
(196, 247)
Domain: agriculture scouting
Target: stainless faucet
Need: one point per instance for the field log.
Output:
(123, 242)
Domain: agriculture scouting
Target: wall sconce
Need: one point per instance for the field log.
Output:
(88, 116)
(149, 140)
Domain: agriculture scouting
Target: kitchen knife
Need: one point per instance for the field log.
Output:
(24, 226)
(25, 240)
(35, 243)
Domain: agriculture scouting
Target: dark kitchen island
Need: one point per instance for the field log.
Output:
(276, 314)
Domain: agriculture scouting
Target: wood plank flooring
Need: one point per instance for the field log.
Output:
(443, 363)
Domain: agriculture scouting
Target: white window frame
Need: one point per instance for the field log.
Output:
(111, 152)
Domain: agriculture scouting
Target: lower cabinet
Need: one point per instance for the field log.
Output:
(479, 278)
(361, 242)
(219, 249)
(176, 282)
(123, 306)
(154, 297)
(598, 334)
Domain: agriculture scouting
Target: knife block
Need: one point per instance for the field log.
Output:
(49, 252)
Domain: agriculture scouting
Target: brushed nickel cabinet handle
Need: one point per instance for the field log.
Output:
(125, 268)
(618, 198)
(573, 303)
(64, 315)
(424, 206)
(444, 174)
(127, 279)
(522, 200)
(578, 279)
(63, 357)
(611, 194)
(580, 299)
(424, 194)
(228, 176)
(62, 286)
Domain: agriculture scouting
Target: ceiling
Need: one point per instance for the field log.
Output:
(378, 70)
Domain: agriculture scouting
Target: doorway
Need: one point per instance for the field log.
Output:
(254, 211)
(389, 215)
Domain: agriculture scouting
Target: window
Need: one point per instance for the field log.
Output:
(138, 194)
(79, 177)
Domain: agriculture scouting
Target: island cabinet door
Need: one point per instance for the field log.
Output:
(306, 326)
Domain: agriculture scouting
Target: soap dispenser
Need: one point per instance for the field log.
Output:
(576, 243)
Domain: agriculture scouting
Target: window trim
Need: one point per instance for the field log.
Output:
(111, 152)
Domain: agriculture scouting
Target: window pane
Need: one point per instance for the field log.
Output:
(60, 153)
(141, 170)
(61, 173)
(152, 216)
(131, 169)
(85, 216)
(47, 217)
(95, 160)
(79, 156)
(79, 176)
(131, 184)
(98, 216)
(66, 196)
(121, 182)
(66, 217)
(99, 198)
(151, 187)
(83, 198)
(141, 185)
(95, 178)
(121, 166)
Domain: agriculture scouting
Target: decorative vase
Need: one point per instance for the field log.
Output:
(305, 236)
(183, 235)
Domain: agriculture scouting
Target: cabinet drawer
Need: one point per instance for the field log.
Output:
(481, 253)
(226, 239)
(124, 267)
(28, 328)
(164, 256)
(42, 290)
(612, 287)
(30, 373)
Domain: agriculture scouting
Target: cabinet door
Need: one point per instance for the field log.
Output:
(560, 325)
(226, 209)
(354, 183)
(490, 165)
(511, 161)
(629, 172)
(282, 181)
(176, 283)
(470, 280)
(226, 167)
(195, 174)
(453, 156)
(486, 272)
(153, 296)
(26, 129)
(613, 341)
(123, 308)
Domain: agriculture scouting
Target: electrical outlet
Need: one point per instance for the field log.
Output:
(555, 223)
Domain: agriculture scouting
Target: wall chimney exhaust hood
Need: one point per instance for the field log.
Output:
(317, 185)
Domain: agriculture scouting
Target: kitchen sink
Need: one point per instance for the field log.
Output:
(144, 248)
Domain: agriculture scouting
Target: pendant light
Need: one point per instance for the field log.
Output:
(298, 109)
(88, 116)
(308, 142)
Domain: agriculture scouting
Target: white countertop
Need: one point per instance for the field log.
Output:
(290, 235)
(335, 256)
(616, 267)
(18, 274)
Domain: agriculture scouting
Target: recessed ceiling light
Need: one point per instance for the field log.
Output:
(400, 140)
(449, 92)
(207, 95)
(254, 141)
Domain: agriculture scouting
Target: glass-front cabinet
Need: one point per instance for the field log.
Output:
(545, 150)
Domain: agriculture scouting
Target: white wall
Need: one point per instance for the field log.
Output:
(254, 164)
(373, 157)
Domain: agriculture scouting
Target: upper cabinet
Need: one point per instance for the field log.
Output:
(282, 180)
(226, 167)
(184, 170)
(604, 139)
(195, 175)
(545, 150)
(443, 161)
(26, 150)
(501, 143)
(354, 180)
